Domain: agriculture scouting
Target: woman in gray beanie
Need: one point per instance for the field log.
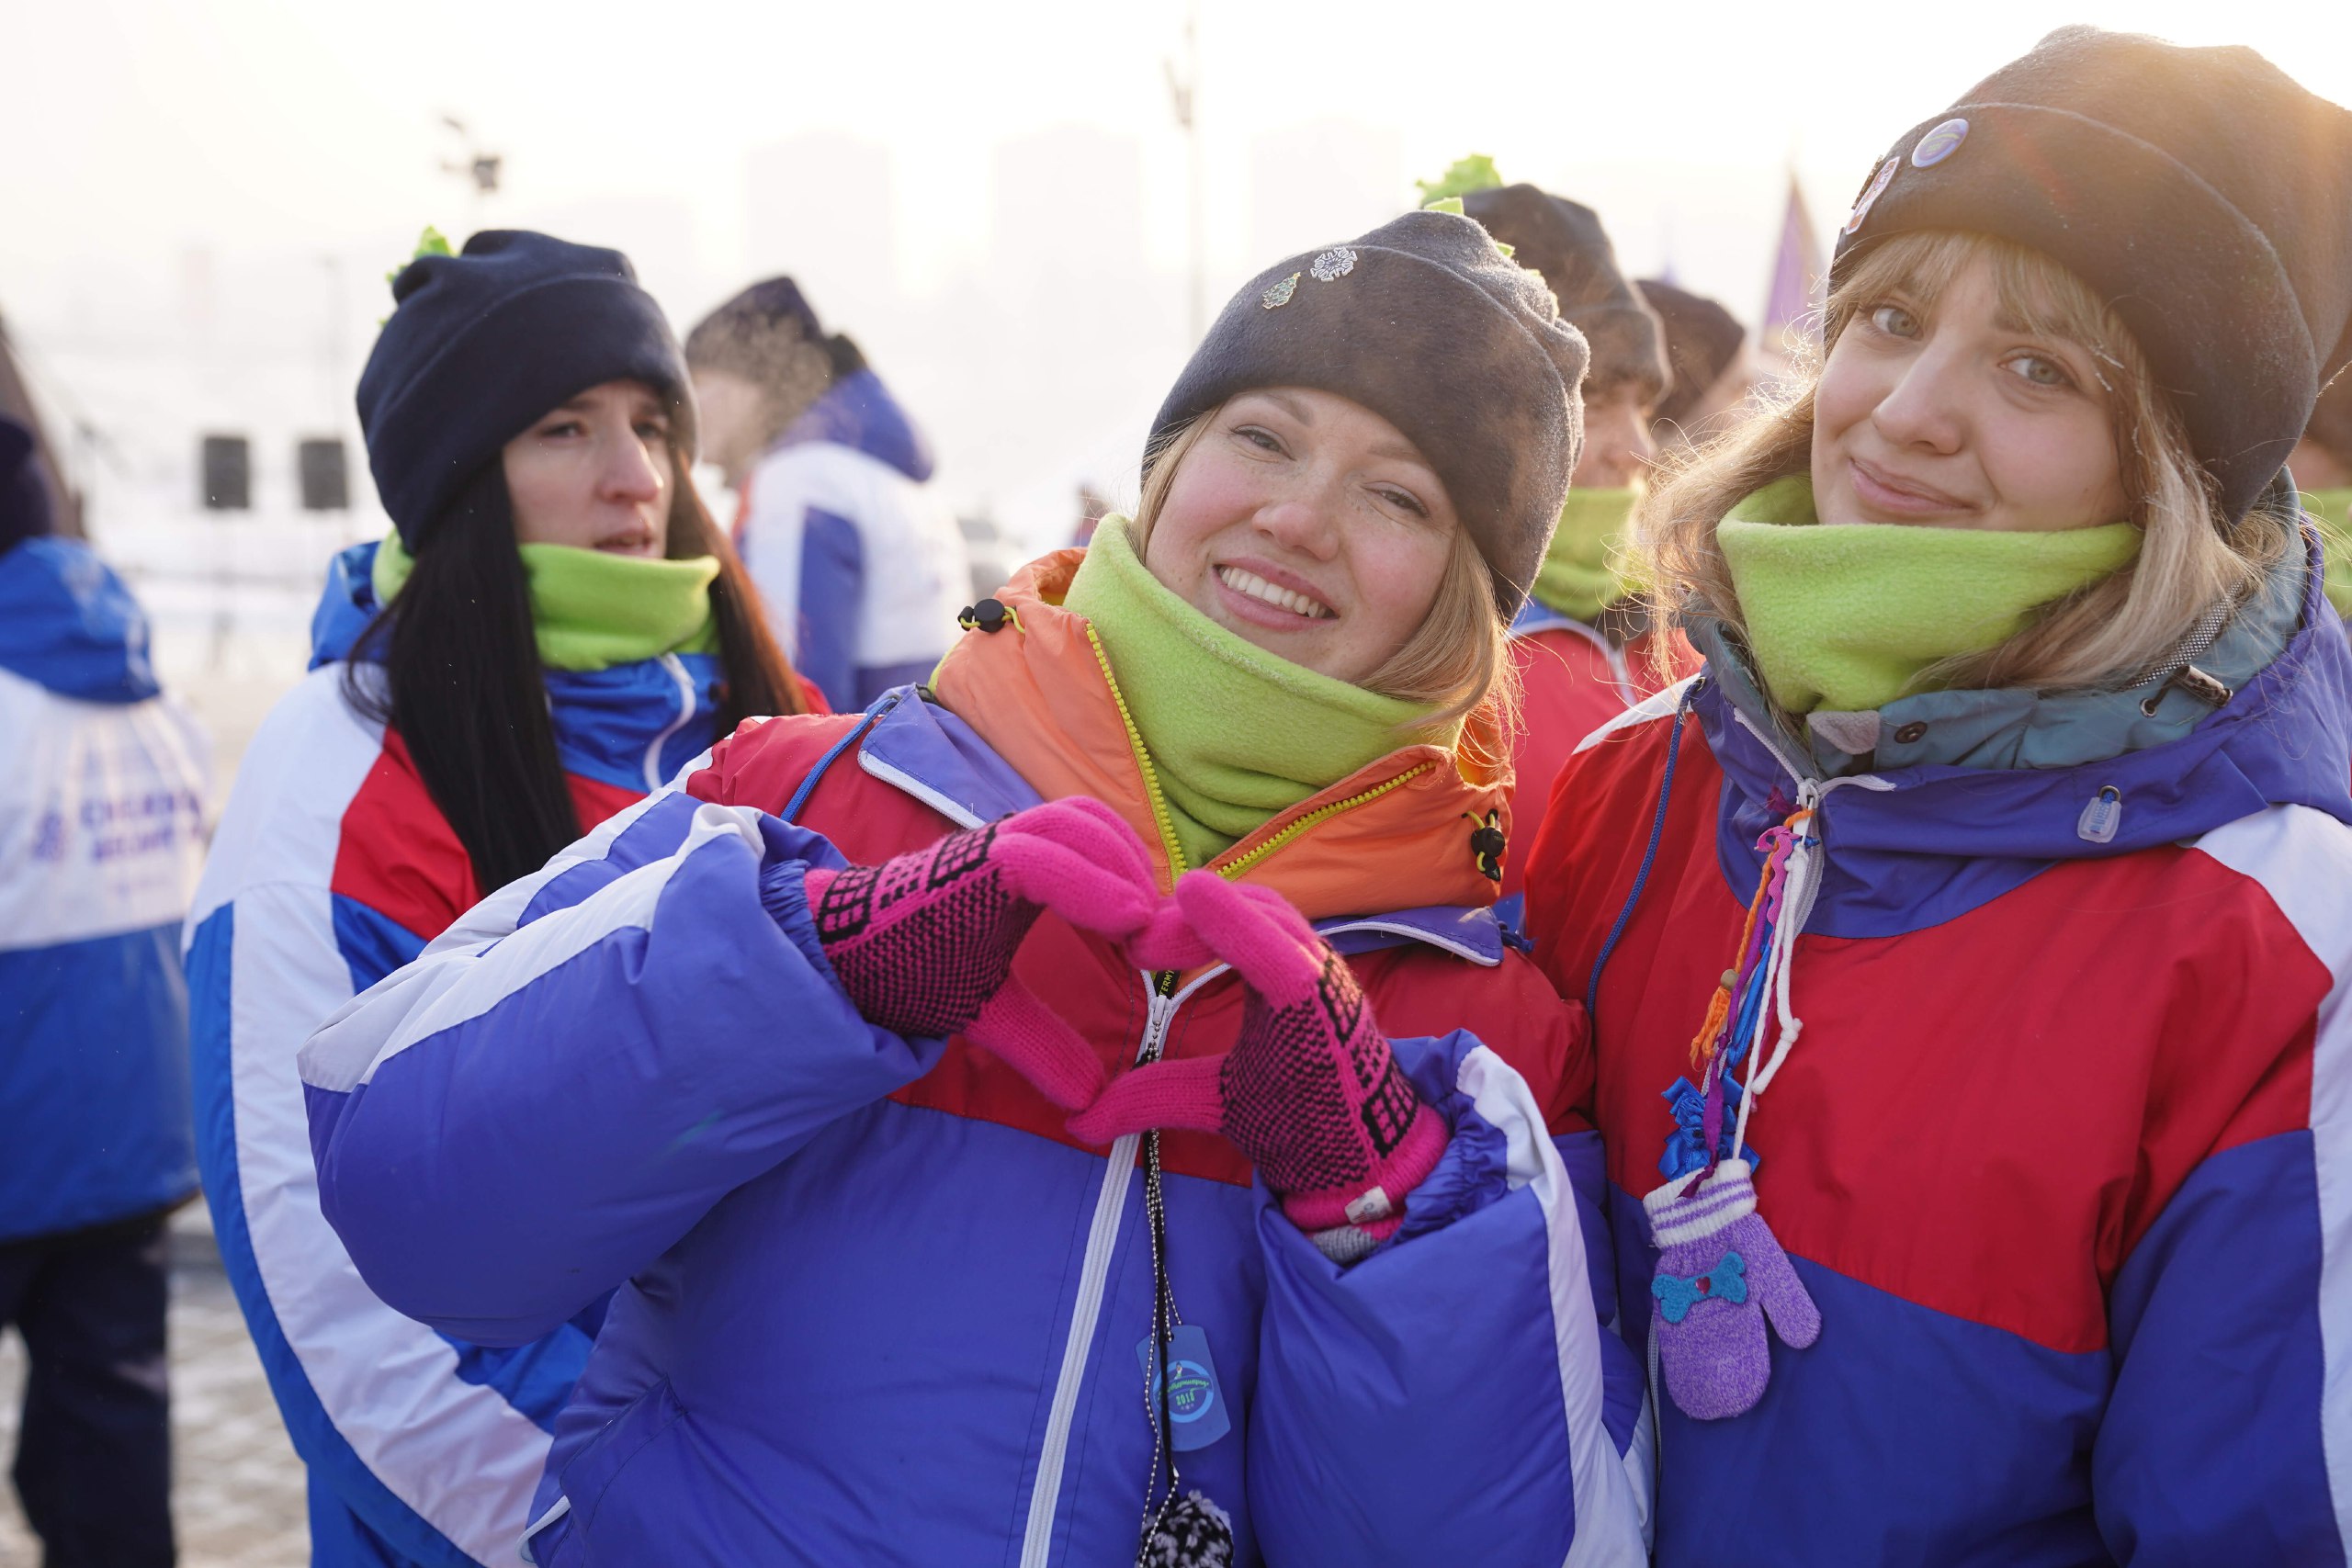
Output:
(1128, 1112)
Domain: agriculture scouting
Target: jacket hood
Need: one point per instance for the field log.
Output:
(859, 412)
(1943, 824)
(1393, 834)
(69, 624)
(346, 604)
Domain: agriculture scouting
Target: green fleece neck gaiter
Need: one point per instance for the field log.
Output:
(1235, 734)
(1848, 617)
(1579, 576)
(592, 609)
(2334, 510)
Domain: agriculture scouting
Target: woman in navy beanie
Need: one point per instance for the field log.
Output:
(553, 628)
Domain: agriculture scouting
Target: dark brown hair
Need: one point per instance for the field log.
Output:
(462, 684)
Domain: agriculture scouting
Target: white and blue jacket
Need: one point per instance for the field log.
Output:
(331, 868)
(102, 787)
(861, 563)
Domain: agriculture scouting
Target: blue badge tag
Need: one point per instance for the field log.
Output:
(1196, 1413)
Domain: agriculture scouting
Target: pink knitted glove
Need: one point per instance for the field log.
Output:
(923, 942)
(1310, 1092)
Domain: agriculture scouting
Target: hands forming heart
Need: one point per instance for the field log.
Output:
(1311, 1092)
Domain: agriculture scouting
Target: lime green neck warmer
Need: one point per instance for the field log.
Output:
(1849, 617)
(1234, 733)
(1580, 576)
(592, 609)
(2334, 510)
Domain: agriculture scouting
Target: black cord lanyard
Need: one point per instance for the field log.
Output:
(1164, 1317)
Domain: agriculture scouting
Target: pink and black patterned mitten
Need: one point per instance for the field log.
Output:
(923, 942)
(1311, 1091)
(1720, 1275)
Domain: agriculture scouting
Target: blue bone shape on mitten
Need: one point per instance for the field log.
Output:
(1677, 1294)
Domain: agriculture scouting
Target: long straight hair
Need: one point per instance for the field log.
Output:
(462, 684)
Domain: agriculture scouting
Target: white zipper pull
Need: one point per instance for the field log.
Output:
(2102, 818)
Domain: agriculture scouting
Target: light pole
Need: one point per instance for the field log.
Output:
(482, 170)
(1184, 91)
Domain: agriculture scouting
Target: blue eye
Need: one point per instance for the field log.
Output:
(1894, 320)
(2040, 370)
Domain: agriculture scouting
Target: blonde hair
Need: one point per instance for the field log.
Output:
(2112, 632)
(1459, 657)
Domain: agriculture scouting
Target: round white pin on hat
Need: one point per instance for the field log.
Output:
(1939, 144)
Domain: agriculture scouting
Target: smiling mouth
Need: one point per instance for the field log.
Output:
(1250, 584)
(1901, 495)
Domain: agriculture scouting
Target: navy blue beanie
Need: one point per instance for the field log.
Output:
(24, 490)
(481, 343)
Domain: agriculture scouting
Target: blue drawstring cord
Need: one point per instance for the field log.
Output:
(882, 705)
(1649, 855)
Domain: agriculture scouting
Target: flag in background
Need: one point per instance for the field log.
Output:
(1800, 284)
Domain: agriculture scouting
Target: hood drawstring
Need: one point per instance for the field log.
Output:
(990, 616)
(1487, 844)
(1794, 876)
(1649, 855)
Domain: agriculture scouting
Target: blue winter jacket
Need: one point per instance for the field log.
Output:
(101, 832)
(867, 1313)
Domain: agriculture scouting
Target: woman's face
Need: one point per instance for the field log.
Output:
(729, 415)
(1618, 450)
(1309, 525)
(596, 473)
(1955, 415)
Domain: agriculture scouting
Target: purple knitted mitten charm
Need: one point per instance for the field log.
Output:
(1720, 1275)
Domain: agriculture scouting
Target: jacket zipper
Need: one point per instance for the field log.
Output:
(1109, 1199)
(670, 662)
(1241, 864)
(1101, 1242)
(1159, 815)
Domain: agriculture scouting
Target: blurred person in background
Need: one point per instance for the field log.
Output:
(806, 1100)
(861, 562)
(101, 832)
(2322, 465)
(1969, 944)
(1581, 644)
(554, 627)
(1706, 348)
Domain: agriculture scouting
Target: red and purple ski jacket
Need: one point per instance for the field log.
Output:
(874, 1303)
(2063, 1152)
(1572, 679)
